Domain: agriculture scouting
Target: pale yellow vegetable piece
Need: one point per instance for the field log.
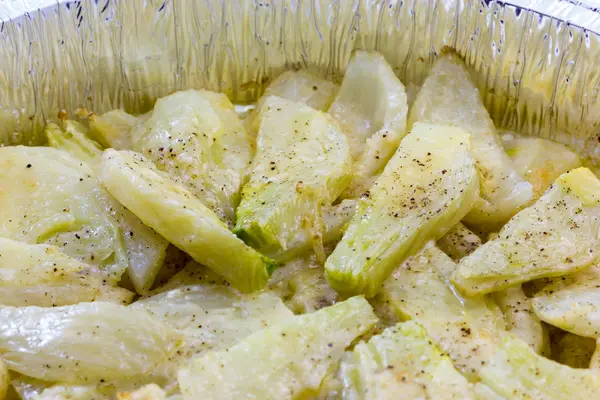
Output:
(448, 96)
(516, 372)
(71, 137)
(467, 329)
(484, 392)
(47, 196)
(546, 286)
(574, 308)
(298, 86)
(148, 392)
(459, 242)
(212, 317)
(425, 189)
(197, 138)
(285, 361)
(372, 108)
(113, 129)
(540, 161)
(574, 350)
(520, 318)
(180, 217)
(401, 360)
(146, 249)
(335, 220)
(40, 275)
(4, 380)
(558, 235)
(302, 164)
(84, 343)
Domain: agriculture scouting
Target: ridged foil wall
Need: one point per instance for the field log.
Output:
(536, 62)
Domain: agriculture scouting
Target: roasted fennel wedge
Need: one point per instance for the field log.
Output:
(113, 129)
(146, 250)
(84, 343)
(297, 86)
(47, 196)
(285, 361)
(467, 329)
(449, 97)
(302, 164)
(40, 275)
(425, 189)
(574, 308)
(196, 137)
(540, 161)
(516, 372)
(371, 107)
(401, 362)
(211, 317)
(70, 136)
(180, 217)
(520, 318)
(558, 235)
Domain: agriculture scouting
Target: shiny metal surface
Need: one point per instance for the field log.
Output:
(536, 62)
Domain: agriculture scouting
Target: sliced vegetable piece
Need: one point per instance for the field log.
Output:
(538, 160)
(176, 214)
(449, 97)
(484, 392)
(558, 235)
(298, 86)
(196, 137)
(335, 220)
(212, 317)
(40, 275)
(47, 196)
(372, 108)
(302, 163)
(459, 242)
(146, 250)
(402, 359)
(71, 137)
(113, 129)
(520, 318)
(517, 372)
(84, 343)
(574, 350)
(467, 329)
(425, 189)
(574, 308)
(284, 361)
(586, 277)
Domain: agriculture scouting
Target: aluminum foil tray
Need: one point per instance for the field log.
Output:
(535, 62)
